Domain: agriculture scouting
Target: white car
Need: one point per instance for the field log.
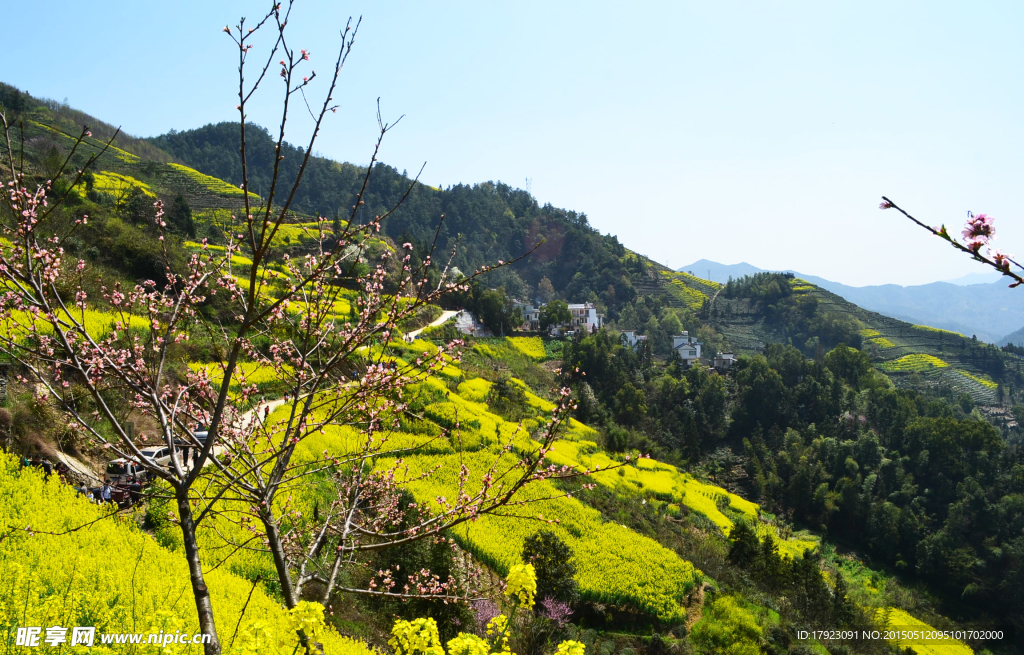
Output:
(158, 455)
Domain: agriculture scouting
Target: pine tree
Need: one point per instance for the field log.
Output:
(554, 564)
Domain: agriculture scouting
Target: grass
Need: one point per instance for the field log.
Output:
(122, 155)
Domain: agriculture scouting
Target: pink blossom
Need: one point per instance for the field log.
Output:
(979, 228)
(556, 611)
(974, 244)
(885, 204)
(1001, 259)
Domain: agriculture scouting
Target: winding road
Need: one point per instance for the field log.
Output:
(440, 320)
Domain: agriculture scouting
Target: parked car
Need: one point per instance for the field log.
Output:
(158, 455)
(121, 469)
(118, 469)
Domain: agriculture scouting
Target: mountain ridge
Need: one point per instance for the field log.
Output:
(967, 309)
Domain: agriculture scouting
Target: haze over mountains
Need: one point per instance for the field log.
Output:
(969, 305)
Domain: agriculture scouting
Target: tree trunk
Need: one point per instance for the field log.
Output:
(291, 599)
(204, 607)
(280, 563)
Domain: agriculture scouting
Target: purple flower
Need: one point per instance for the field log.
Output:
(556, 611)
(484, 610)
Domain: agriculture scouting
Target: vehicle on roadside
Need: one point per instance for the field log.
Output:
(120, 469)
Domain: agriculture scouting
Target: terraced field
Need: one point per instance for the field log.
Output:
(621, 567)
(909, 354)
(118, 169)
(676, 288)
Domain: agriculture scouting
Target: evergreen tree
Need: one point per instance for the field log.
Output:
(554, 564)
(179, 217)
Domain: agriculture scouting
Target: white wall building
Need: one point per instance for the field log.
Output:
(686, 347)
(531, 315)
(585, 315)
(632, 338)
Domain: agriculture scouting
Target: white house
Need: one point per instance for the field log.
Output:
(531, 315)
(724, 360)
(585, 315)
(686, 347)
(632, 338)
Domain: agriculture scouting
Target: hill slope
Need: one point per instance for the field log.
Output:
(687, 514)
(988, 311)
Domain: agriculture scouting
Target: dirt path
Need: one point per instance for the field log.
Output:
(247, 418)
(695, 604)
(443, 318)
(711, 303)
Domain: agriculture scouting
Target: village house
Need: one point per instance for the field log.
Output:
(724, 361)
(686, 347)
(531, 315)
(585, 315)
(632, 339)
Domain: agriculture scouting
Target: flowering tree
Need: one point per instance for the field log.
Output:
(286, 318)
(978, 233)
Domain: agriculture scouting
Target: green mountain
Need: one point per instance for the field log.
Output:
(849, 463)
(483, 223)
(980, 306)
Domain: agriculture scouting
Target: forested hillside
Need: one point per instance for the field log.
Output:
(482, 223)
(848, 472)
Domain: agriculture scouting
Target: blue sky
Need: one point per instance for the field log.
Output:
(760, 132)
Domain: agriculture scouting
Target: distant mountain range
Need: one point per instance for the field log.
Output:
(978, 304)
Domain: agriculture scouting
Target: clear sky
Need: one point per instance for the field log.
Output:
(761, 131)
